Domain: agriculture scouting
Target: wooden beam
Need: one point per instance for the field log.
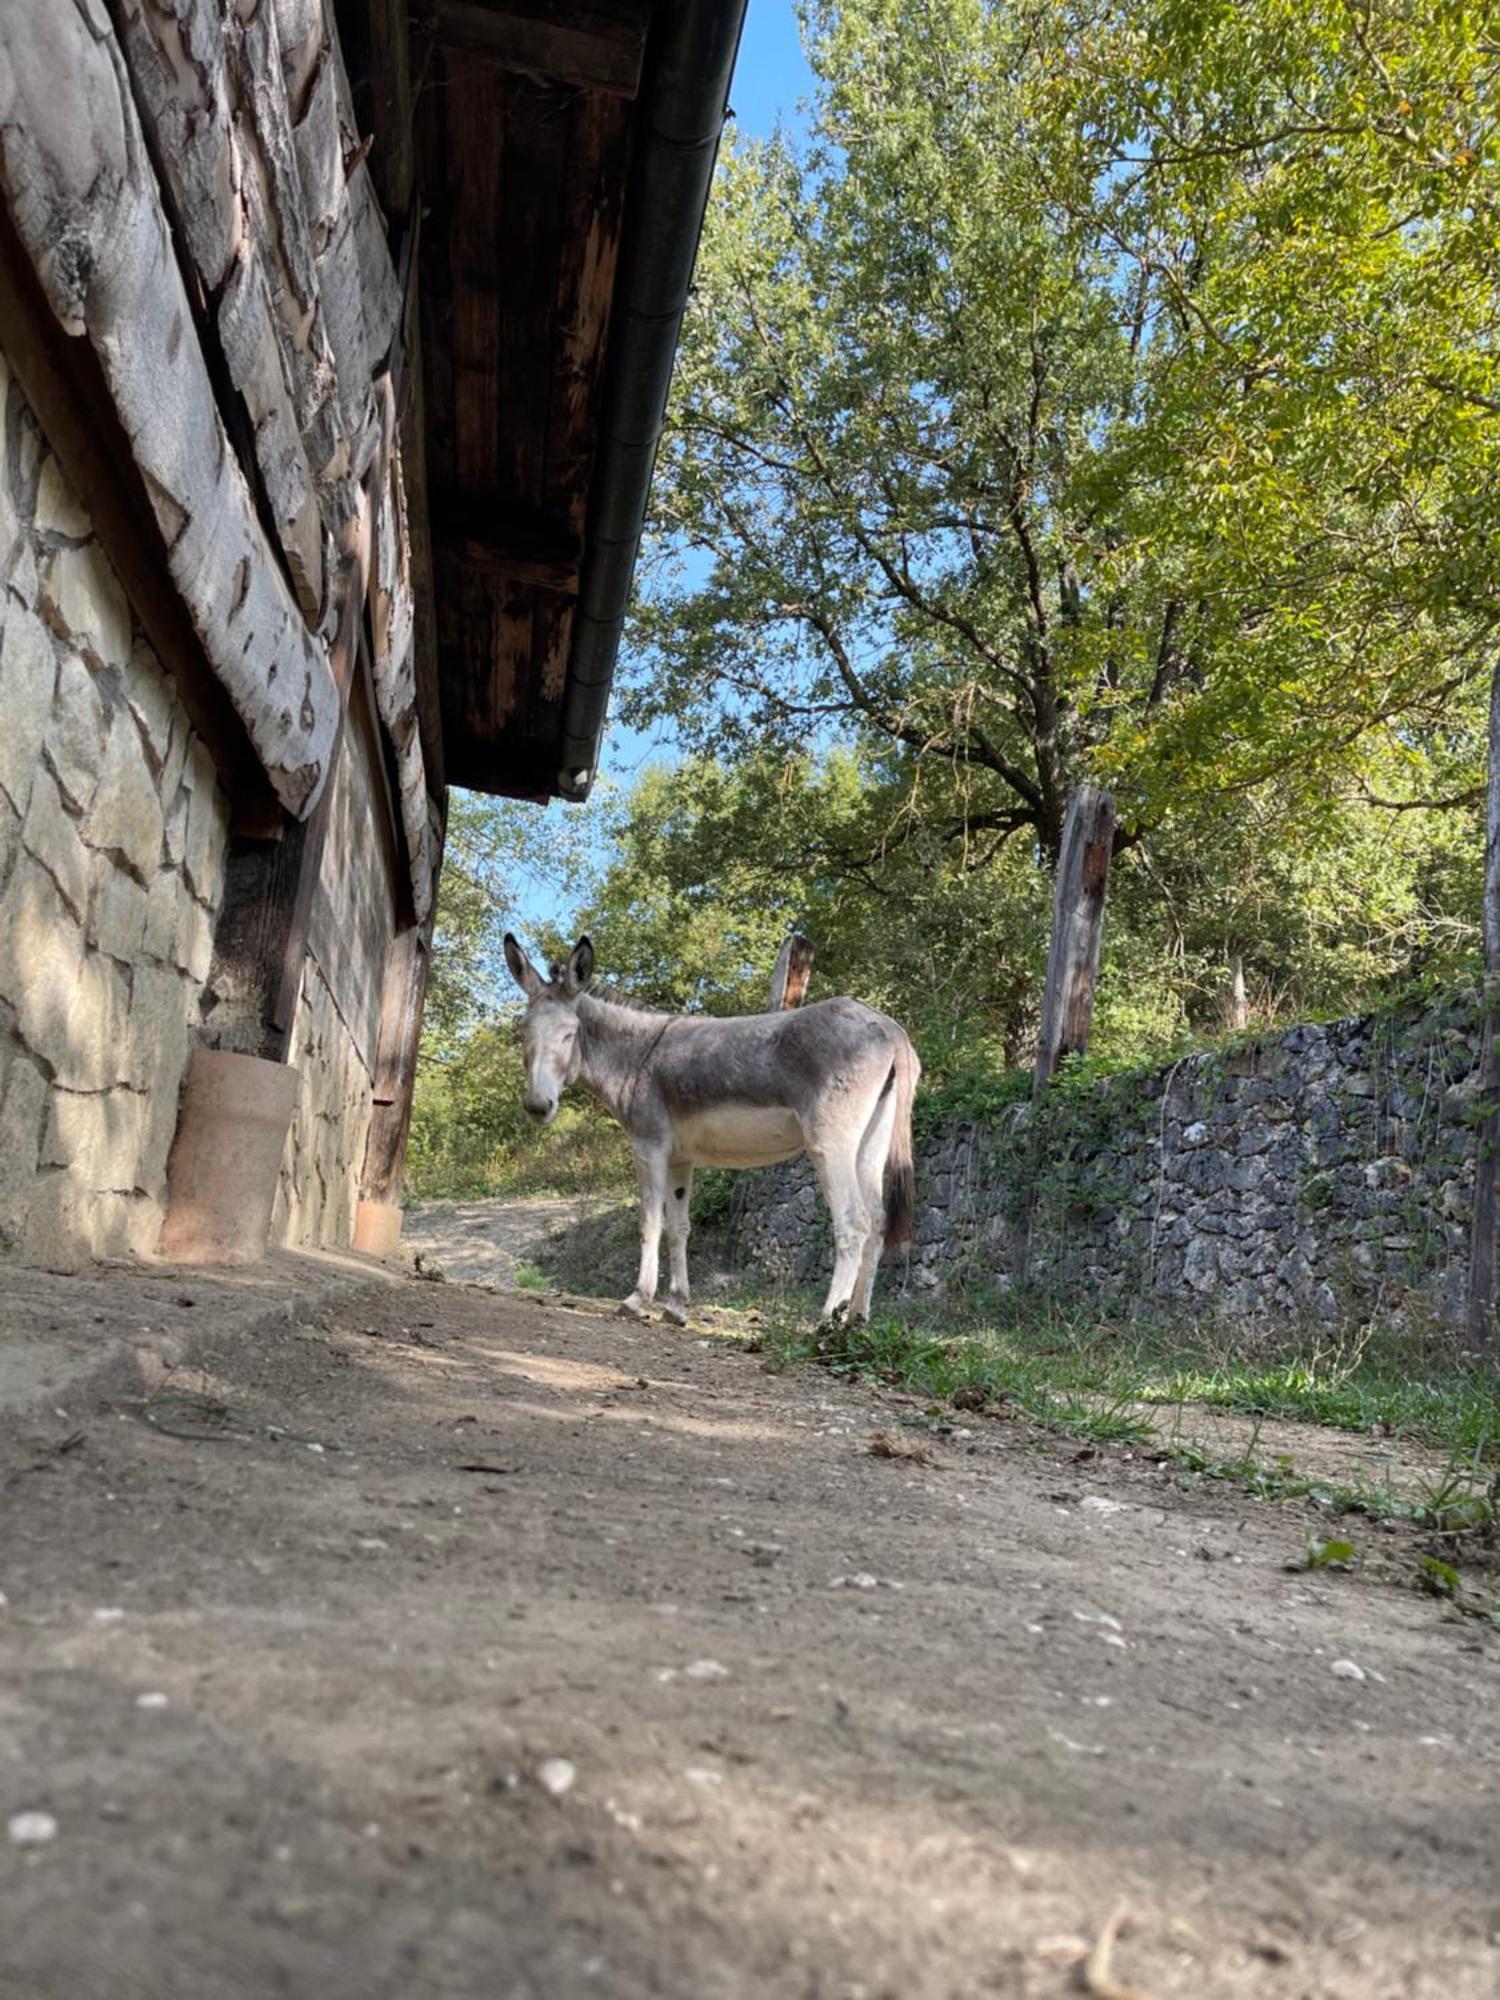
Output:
(271, 871)
(408, 964)
(509, 565)
(793, 971)
(558, 41)
(508, 541)
(1077, 930)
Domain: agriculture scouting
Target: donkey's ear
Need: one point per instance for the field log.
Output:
(522, 971)
(580, 968)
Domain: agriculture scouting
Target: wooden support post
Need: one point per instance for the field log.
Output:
(270, 878)
(1077, 930)
(793, 971)
(377, 1221)
(1484, 1241)
(240, 1095)
(1239, 1000)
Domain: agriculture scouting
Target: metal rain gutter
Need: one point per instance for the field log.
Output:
(689, 61)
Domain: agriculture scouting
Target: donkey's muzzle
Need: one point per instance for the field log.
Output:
(542, 1109)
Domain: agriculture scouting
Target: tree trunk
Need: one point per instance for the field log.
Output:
(1479, 1317)
(793, 971)
(1077, 929)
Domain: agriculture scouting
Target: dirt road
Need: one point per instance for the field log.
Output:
(465, 1645)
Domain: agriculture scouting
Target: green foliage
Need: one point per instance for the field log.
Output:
(471, 1137)
(1100, 391)
(1104, 389)
(1326, 1552)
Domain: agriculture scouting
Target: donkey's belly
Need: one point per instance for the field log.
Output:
(738, 1135)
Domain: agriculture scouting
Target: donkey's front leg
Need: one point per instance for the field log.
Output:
(678, 1201)
(651, 1178)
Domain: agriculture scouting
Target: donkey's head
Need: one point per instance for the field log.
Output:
(549, 1033)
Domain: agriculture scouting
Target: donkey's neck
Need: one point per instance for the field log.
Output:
(615, 1045)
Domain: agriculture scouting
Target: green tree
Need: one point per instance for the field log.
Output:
(1033, 420)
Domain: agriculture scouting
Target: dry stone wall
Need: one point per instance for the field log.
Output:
(337, 1026)
(1297, 1174)
(113, 831)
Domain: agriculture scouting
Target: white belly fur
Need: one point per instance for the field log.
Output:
(737, 1135)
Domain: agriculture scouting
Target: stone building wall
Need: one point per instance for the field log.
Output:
(1323, 1166)
(338, 1009)
(113, 831)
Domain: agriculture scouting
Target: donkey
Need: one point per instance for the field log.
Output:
(834, 1081)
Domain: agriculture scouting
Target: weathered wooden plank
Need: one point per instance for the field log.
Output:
(475, 124)
(271, 873)
(793, 970)
(1077, 930)
(180, 74)
(176, 59)
(590, 234)
(277, 222)
(81, 190)
(555, 40)
(408, 965)
(538, 135)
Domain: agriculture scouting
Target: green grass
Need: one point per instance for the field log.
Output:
(1077, 1370)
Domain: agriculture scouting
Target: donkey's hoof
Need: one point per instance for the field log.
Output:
(631, 1308)
(677, 1315)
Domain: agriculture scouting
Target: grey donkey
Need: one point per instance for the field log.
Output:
(834, 1080)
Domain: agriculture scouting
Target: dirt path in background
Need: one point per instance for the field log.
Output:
(293, 1666)
(481, 1242)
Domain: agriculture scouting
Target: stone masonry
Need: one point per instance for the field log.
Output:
(1296, 1173)
(112, 841)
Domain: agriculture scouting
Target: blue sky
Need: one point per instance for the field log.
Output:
(770, 79)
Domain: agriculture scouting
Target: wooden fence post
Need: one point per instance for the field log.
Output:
(793, 971)
(1077, 929)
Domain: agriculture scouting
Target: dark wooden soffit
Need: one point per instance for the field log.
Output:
(510, 137)
(523, 134)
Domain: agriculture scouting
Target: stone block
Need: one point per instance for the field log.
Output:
(207, 834)
(59, 511)
(93, 1054)
(126, 817)
(159, 1032)
(28, 675)
(117, 912)
(195, 939)
(22, 1108)
(163, 899)
(82, 599)
(97, 1136)
(50, 835)
(41, 958)
(176, 825)
(152, 700)
(67, 1225)
(76, 730)
(10, 838)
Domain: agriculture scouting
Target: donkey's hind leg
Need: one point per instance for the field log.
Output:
(678, 1201)
(873, 1148)
(837, 1163)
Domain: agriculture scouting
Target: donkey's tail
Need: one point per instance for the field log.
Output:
(900, 1178)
